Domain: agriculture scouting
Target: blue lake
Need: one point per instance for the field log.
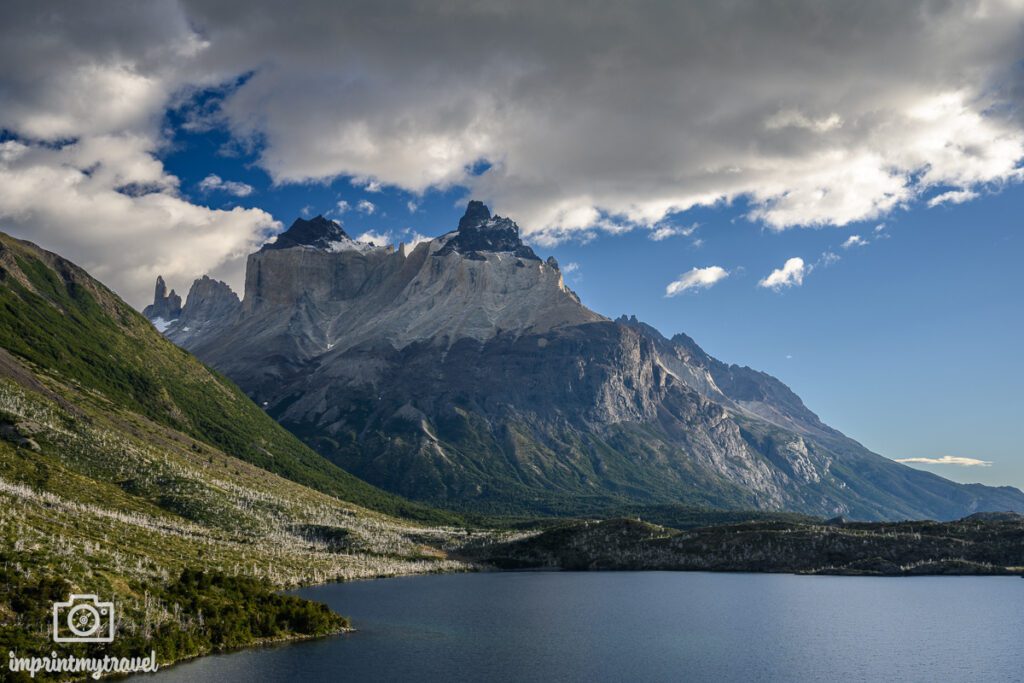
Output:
(650, 626)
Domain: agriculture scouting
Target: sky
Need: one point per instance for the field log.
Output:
(829, 192)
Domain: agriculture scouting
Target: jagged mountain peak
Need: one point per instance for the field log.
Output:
(476, 214)
(165, 307)
(319, 233)
(479, 231)
(206, 288)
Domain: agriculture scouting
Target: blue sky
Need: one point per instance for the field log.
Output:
(172, 137)
(910, 342)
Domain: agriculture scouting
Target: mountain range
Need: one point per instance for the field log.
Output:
(461, 371)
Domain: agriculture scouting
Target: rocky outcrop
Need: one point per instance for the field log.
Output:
(480, 232)
(165, 307)
(318, 233)
(465, 373)
(210, 306)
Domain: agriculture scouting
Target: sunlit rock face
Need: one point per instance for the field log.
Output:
(464, 372)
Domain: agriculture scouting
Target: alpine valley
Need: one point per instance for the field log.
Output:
(463, 373)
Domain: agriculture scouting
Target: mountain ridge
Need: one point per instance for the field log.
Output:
(464, 373)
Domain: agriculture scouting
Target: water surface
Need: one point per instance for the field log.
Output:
(650, 626)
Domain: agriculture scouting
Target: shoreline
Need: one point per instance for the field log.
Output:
(296, 638)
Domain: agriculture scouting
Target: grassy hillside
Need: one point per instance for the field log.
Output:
(129, 470)
(63, 322)
(100, 500)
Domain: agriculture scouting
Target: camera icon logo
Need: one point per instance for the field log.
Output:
(83, 619)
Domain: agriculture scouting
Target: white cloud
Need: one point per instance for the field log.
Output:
(570, 268)
(696, 279)
(378, 238)
(214, 183)
(948, 460)
(366, 206)
(385, 237)
(343, 206)
(791, 274)
(412, 238)
(663, 232)
(826, 259)
(412, 206)
(368, 185)
(854, 241)
(952, 197)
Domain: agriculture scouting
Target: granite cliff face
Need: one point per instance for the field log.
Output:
(463, 372)
(211, 305)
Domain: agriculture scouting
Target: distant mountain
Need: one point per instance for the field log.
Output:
(463, 372)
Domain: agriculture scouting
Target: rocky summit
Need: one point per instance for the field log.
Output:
(463, 372)
(165, 307)
(318, 233)
(480, 232)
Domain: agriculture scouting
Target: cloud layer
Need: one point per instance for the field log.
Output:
(620, 114)
(610, 117)
(948, 460)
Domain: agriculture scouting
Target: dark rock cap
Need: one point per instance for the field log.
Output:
(479, 231)
(316, 232)
(476, 214)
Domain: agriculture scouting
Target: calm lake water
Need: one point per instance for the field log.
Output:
(650, 626)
